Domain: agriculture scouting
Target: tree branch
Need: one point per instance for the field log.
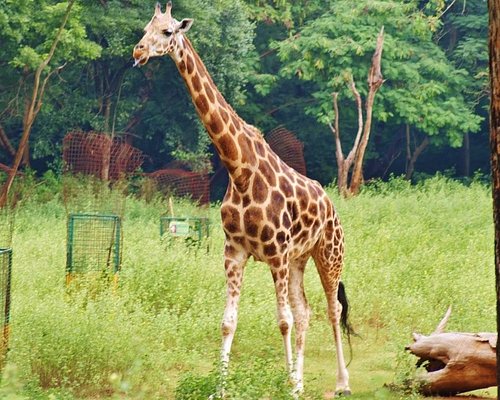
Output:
(336, 131)
(5, 142)
(359, 105)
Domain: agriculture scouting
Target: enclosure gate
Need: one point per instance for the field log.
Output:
(93, 244)
(5, 281)
(193, 230)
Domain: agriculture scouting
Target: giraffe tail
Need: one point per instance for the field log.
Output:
(344, 317)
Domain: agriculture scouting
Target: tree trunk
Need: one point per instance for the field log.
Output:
(344, 164)
(375, 80)
(412, 159)
(466, 154)
(494, 61)
(455, 362)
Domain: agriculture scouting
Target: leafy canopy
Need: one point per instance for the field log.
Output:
(422, 88)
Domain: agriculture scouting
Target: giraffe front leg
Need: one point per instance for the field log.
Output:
(234, 267)
(300, 311)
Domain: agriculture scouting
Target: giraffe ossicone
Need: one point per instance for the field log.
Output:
(270, 211)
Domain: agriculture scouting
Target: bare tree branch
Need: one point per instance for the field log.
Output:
(359, 105)
(413, 159)
(336, 130)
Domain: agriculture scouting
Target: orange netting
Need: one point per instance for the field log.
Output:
(288, 148)
(183, 183)
(87, 153)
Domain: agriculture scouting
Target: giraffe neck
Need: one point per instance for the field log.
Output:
(236, 141)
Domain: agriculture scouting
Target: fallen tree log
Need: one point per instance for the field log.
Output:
(455, 362)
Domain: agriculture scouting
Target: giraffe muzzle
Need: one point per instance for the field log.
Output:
(140, 55)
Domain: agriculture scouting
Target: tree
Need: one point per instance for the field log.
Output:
(463, 36)
(29, 58)
(422, 89)
(26, 38)
(357, 153)
(494, 62)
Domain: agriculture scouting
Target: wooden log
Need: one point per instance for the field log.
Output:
(455, 362)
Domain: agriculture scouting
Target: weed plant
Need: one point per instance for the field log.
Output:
(411, 252)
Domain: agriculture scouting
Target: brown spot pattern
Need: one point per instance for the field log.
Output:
(230, 219)
(189, 64)
(247, 155)
(259, 189)
(251, 220)
(285, 186)
(228, 148)
(202, 103)
(209, 92)
(267, 233)
(195, 82)
(216, 125)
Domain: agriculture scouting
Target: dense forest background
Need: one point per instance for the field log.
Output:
(276, 61)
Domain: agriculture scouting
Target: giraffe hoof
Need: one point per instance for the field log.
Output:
(342, 393)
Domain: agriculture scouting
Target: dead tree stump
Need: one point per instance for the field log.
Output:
(455, 362)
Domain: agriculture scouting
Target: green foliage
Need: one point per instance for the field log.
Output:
(422, 88)
(435, 65)
(34, 32)
(254, 379)
(411, 251)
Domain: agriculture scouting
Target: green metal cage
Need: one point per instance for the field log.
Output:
(93, 243)
(5, 283)
(191, 229)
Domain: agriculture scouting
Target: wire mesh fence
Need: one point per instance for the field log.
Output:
(290, 149)
(94, 243)
(6, 227)
(98, 154)
(5, 284)
(183, 183)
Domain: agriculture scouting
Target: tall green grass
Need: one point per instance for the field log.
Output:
(411, 252)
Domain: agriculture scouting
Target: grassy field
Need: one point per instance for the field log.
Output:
(411, 252)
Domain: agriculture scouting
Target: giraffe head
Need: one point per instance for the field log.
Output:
(161, 35)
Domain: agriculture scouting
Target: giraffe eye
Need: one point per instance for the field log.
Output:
(167, 32)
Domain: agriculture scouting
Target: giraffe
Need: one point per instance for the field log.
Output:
(270, 212)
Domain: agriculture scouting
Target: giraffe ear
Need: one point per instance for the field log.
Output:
(184, 25)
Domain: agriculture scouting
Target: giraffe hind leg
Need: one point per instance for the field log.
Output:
(329, 269)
